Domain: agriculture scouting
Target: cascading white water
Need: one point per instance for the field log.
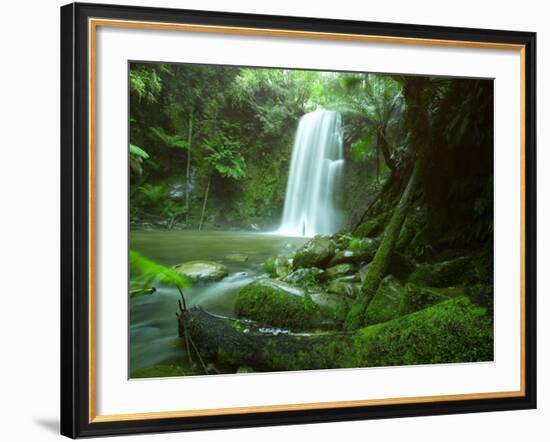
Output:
(315, 176)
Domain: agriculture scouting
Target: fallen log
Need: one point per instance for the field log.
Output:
(452, 331)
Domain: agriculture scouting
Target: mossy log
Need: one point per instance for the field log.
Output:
(449, 332)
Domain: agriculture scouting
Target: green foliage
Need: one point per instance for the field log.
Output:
(145, 83)
(138, 152)
(176, 141)
(144, 272)
(153, 193)
(223, 155)
(137, 155)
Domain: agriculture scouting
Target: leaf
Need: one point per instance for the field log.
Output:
(176, 141)
(146, 272)
(138, 152)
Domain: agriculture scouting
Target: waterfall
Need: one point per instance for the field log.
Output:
(315, 177)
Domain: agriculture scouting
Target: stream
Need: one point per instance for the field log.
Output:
(153, 325)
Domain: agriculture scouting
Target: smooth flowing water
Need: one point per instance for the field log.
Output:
(153, 325)
(315, 176)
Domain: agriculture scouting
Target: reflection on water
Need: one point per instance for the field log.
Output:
(153, 326)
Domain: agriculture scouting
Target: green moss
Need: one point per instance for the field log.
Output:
(417, 298)
(278, 304)
(161, 371)
(443, 274)
(269, 265)
(386, 304)
(452, 331)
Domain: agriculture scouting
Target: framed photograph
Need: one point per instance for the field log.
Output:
(275, 220)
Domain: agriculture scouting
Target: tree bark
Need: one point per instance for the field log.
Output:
(378, 266)
(384, 146)
(188, 176)
(204, 202)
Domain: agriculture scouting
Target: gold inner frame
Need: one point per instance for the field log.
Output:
(93, 24)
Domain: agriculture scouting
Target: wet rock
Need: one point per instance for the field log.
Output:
(269, 265)
(237, 257)
(317, 252)
(333, 307)
(202, 271)
(344, 288)
(305, 276)
(283, 266)
(360, 250)
(340, 270)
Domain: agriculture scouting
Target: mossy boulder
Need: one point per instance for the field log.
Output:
(443, 274)
(359, 250)
(278, 266)
(317, 252)
(339, 270)
(417, 298)
(344, 287)
(279, 304)
(305, 276)
(202, 271)
(269, 265)
(333, 308)
(283, 266)
(386, 304)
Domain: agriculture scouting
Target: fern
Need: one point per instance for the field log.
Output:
(146, 272)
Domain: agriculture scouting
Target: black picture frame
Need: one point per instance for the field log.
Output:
(75, 220)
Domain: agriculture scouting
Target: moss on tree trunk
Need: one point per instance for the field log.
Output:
(378, 266)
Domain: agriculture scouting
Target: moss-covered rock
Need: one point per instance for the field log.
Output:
(269, 265)
(161, 371)
(344, 287)
(443, 274)
(340, 270)
(317, 252)
(417, 298)
(360, 250)
(283, 266)
(305, 277)
(386, 304)
(279, 304)
(202, 271)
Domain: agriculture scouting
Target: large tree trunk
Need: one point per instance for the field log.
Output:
(188, 176)
(378, 266)
(444, 339)
(205, 201)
